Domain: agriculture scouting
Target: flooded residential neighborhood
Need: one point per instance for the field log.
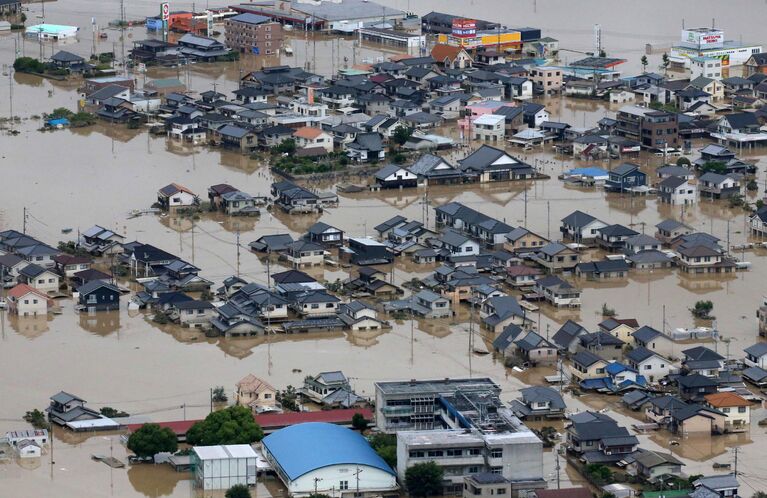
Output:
(336, 248)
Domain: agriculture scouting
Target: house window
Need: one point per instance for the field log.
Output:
(496, 453)
(343, 485)
(741, 409)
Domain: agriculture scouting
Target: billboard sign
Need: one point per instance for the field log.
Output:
(704, 38)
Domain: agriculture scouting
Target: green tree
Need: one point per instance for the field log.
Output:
(288, 398)
(238, 491)
(665, 62)
(759, 494)
(358, 422)
(28, 65)
(598, 473)
(37, 419)
(602, 53)
(386, 447)
(232, 425)
(752, 185)
(287, 146)
(424, 479)
(713, 166)
(151, 439)
(219, 395)
(644, 63)
(80, 119)
(60, 112)
(737, 200)
(401, 135)
(110, 412)
(702, 309)
(398, 158)
(684, 162)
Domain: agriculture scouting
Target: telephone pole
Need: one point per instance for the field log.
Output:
(556, 455)
(238, 253)
(525, 187)
(357, 476)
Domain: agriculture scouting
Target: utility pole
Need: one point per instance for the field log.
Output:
(357, 475)
(24, 222)
(735, 450)
(211, 400)
(51, 438)
(556, 455)
(10, 76)
(238, 253)
(548, 220)
(525, 187)
(122, 35)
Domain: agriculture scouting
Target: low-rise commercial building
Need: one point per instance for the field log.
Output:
(221, 467)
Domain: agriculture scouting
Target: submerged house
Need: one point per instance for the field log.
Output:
(175, 195)
(98, 295)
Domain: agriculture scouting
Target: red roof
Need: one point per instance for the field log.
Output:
(275, 420)
(22, 290)
(272, 421)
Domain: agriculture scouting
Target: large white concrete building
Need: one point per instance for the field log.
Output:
(463, 426)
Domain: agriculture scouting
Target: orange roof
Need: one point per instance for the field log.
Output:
(308, 133)
(440, 52)
(723, 400)
(253, 384)
(181, 188)
(22, 290)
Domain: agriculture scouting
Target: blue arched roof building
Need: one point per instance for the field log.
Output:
(330, 457)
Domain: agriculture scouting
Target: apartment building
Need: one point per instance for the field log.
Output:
(547, 78)
(254, 34)
(653, 129)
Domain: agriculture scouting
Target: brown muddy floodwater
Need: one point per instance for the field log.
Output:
(76, 178)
